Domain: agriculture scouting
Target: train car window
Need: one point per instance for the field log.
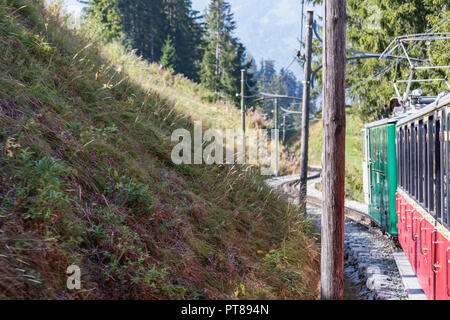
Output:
(398, 144)
(442, 186)
(438, 168)
(420, 162)
(416, 159)
(405, 168)
(446, 182)
(400, 157)
(385, 157)
(406, 159)
(413, 160)
(425, 166)
(412, 152)
(431, 167)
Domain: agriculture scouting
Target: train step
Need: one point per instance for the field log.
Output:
(409, 278)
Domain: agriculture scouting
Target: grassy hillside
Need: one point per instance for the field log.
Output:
(353, 165)
(87, 179)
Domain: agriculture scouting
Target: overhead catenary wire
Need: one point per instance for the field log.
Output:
(270, 95)
(286, 111)
(367, 55)
(384, 70)
(301, 28)
(266, 95)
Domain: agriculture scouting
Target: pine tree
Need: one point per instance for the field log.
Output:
(224, 55)
(210, 55)
(105, 17)
(143, 23)
(146, 25)
(186, 34)
(168, 55)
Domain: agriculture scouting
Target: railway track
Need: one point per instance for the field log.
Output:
(288, 184)
(370, 269)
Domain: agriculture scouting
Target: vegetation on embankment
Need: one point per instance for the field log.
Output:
(87, 179)
(353, 153)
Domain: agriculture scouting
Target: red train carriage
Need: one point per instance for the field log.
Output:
(423, 195)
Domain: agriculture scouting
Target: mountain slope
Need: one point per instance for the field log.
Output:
(87, 179)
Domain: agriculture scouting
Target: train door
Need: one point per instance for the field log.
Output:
(440, 255)
(415, 215)
(401, 225)
(412, 236)
(384, 187)
(424, 273)
(423, 228)
(392, 179)
(440, 245)
(374, 173)
(409, 212)
(398, 197)
(378, 185)
(443, 289)
(365, 165)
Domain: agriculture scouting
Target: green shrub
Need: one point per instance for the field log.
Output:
(41, 188)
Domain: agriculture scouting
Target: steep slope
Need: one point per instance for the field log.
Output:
(87, 179)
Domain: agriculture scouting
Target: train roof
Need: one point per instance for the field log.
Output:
(440, 101)
(383, 122)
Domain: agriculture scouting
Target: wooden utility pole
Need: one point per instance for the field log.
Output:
(333, 153)
(305, 112)
(277, 136)
(243, 111)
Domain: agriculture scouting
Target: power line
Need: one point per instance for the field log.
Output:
(270, 95)
(443, 20)
(301, 28)
(367, 55)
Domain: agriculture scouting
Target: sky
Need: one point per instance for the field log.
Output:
(269, 29)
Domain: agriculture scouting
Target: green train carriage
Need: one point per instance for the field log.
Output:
(380, 172)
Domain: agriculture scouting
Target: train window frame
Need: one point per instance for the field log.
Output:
(445, 138)
(404, 159)
(420, 163)
(431, 165)
(425, 165)
(413, 160)
(442, 185)
(438, 168)
(400, 157)
(408, 160)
